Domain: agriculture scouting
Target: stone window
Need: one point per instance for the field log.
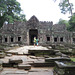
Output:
(11, 39)
(48, 38)
(55, 39)
(5, 39)
(73, 39)
(19, 38)
(61, 39)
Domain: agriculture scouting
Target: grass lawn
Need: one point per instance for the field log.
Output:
(73, 59)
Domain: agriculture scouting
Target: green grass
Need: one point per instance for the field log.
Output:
(73, 59)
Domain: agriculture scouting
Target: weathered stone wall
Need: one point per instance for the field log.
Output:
(47, 33)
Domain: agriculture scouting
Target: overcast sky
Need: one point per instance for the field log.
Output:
(44, 10)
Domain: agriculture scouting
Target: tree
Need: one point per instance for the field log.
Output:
(10, 10)
(66, 6)
(61, 21)
(72, 23)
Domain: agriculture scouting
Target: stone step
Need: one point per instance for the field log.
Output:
(1, 67)
(13, 71)
(1, 50)
(2, 55)
(24, 53)
(57, 59)
(12, 52)
(41, 52)
(6, 63)
(24, 66)
(9, 55)
(15, 60)
(42, 64)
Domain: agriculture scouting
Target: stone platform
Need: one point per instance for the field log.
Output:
(15, 58)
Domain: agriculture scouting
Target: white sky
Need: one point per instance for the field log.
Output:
(44, 10)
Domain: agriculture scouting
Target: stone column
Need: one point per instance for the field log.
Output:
(8, 39)
(71, 40)
(64, 39)
(28, 37)
(15, 39)
(52, 39)
(58, 39)
(2, 39)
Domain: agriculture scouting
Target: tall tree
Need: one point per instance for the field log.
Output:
(10, 10)
(65, 6)
(72, 23)
(61, 21)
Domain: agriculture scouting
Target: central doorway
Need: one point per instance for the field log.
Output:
(32, 33)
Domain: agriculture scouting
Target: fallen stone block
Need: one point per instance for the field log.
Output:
(41, 52)
(56, 51)
(2, 55)
(1, 67)
(64, 68)
(13, 71)
(9, 55)
(26, 53)
(17, 60)
(33, 57)
(24, 66)
(42, 64)
(57, 59)
(11, 52)
(7, 65)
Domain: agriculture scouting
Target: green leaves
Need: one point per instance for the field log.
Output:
(72, 23)
(61, 21)
(66, 6)
(10, 11)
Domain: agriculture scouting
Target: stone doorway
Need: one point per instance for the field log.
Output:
(32, 33)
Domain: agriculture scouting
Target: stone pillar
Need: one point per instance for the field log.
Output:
(15, 39)
(71, 40)
(58, 39)
(2, 39)
(64, 39)
(52, 39)
(28, 37)
(8, 39)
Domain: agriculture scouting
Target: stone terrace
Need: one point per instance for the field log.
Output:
(16, 62)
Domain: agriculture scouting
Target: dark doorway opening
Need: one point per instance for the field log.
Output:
(55, 39)
(74, 40)
(48, 38)
(32, 33)
(19, 38)
(5, 39)
(61, 39)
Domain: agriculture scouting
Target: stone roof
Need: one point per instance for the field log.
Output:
(58, 27)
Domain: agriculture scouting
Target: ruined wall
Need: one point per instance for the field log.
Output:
(18, 32)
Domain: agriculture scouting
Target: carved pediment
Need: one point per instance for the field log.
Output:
(33, 22)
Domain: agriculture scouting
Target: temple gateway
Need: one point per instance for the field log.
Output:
(46, 32)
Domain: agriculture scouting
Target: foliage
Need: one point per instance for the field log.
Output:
(66, 6)
(73, 59)
(72, 23)
(10, 10)
(61, 21)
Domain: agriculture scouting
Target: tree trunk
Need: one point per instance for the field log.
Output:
(70, 8)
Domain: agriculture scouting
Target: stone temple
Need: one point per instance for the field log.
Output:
(46, 32)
